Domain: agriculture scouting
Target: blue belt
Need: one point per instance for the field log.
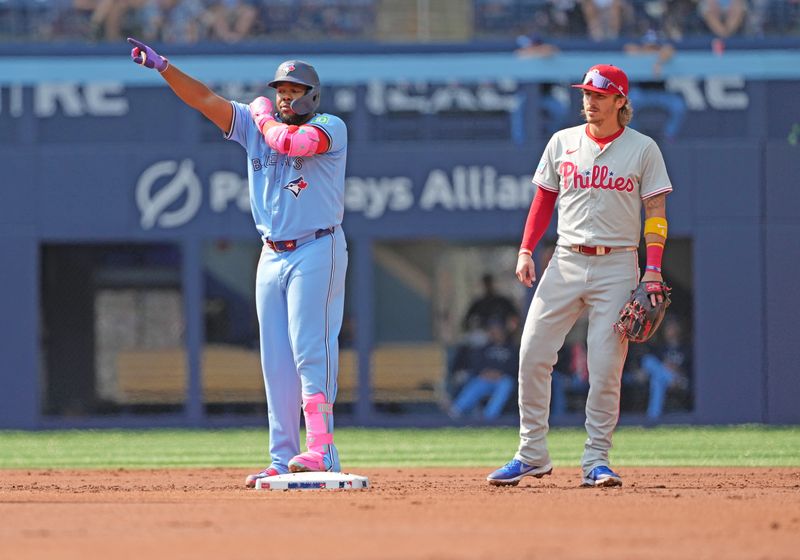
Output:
(292, 244)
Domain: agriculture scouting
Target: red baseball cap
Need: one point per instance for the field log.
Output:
(605, 78)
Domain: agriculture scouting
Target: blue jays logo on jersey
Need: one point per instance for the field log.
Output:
(296, 187)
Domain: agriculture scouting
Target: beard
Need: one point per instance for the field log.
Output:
(588, 118)
(294, 118)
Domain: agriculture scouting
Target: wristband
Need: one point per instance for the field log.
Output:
(166, 65)
(653, 268)
(656, 225)
(655, 251)
(524, 252)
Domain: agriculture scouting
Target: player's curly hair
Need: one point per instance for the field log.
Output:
(625, 113)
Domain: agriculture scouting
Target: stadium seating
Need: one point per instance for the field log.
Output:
(401, 373)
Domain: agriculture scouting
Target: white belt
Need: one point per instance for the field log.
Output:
(598, 250)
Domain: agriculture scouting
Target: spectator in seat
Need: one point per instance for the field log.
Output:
(670, 16)
(486, 308)
(534, 46)
(646, 94)
(110, 20)
(231, 20)
(603, 18)
(491, 305)
(723, 18)
(173, 21)
(555, 109)
(562, 18)
(652, 42)
(460, 366)
(495, 377)
(680, 18)
(666, 364)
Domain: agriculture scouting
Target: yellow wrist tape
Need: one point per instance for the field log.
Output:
(655, 243)
(656, 225)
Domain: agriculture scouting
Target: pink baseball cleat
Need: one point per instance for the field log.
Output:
(250, 481)
(310, 461)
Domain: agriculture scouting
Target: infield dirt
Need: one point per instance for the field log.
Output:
(430, 513)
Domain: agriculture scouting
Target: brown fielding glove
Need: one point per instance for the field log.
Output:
(639, 319)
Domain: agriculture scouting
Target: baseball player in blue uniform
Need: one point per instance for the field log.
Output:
(296, 165)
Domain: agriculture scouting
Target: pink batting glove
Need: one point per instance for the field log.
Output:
(261, 110)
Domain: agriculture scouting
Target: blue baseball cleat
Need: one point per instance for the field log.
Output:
(602, 476)
(515, 470)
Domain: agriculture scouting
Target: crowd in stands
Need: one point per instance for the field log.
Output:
(604, 20)
(186, 21)
(189, 21)
(482, 373)
(485, 363)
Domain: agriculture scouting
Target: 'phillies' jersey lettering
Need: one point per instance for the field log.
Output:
(601, 178)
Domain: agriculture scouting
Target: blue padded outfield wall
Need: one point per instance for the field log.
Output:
(100, 151)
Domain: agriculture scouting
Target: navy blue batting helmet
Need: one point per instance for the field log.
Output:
(299, 72)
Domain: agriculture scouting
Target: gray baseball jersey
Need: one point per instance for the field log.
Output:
(601, 191)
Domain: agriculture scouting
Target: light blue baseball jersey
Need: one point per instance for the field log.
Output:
(299, 293)
(292, 197)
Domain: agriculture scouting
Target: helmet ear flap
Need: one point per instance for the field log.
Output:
(308, 103)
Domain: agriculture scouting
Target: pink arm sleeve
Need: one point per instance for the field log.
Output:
(293, 140)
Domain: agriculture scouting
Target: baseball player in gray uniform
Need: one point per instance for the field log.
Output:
(296, 167)
(601, 174)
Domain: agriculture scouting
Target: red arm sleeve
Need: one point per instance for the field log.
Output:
(324, 141)
(544, 202)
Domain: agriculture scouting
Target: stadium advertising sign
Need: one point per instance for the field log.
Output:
(170, 193)
(114, 98)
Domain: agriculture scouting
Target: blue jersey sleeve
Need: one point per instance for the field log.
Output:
(242, 126)
(334, 128)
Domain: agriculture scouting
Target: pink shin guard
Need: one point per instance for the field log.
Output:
(318, 438)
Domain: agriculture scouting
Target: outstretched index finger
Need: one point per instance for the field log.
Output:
(136, 43)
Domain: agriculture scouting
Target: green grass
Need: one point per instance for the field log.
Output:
(735, 446)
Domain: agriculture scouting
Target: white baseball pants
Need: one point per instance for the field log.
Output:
(571, 283)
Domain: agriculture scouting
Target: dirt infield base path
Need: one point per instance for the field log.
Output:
(428, 513)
